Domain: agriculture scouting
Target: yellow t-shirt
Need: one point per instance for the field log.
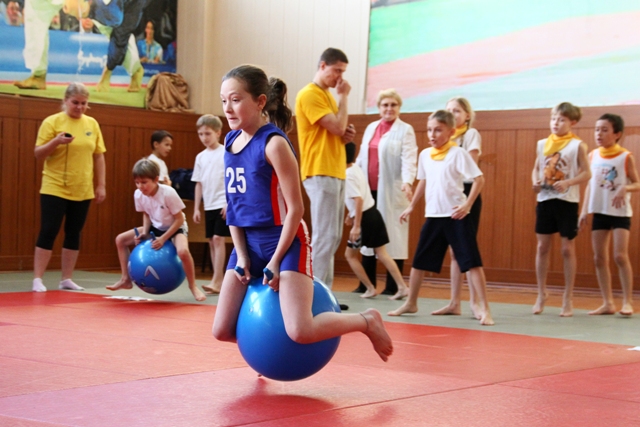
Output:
(68, 171)
(321, 152)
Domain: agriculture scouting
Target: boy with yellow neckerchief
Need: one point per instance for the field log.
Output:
(442, 169)
(561, 166)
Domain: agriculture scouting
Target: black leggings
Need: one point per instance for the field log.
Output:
(52, 210)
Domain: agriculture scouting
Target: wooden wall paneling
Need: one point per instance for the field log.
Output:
(8, 179)
(30, 171)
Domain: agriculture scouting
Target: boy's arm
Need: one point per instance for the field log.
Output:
(585, 207)
(196, 203)
(356, 229)
(535, 177)
(417, 195)
(583, 176)
(464, 209)
(146, 224)
(634, 185)
(178, 220)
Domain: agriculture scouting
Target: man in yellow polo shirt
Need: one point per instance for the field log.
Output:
(323, 130)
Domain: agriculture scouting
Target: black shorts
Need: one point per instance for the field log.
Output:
(609, 222)
(437, 235)
(215, 225)
(158, 233)
(557, 216)
(374, 232)
(476, 208)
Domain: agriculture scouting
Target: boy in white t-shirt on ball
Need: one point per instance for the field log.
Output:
(161, 207)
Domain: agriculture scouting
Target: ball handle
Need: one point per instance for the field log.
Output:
(268, 273)
(239, 270)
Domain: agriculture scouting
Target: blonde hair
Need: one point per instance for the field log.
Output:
(568, 110)
(209, 120)
(74, 89)
(444, 117)
(389, 93)
(466, 106)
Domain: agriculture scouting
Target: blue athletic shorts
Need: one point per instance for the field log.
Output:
(262, 243)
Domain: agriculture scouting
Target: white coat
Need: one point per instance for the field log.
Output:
(397, 157)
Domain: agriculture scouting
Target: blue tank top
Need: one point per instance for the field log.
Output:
(254, 197)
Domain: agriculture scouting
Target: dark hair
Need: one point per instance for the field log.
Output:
(350, 148)
(257, 83)
(332, 55)
(615, 120)
(444, 117)
(145, 168)
(158, 136)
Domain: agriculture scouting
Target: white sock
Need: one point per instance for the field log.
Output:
(38, 286)
(68, 284)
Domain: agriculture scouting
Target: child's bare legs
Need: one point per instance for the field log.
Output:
(542, 266)
(296, 297)
(229, 303)
(352, 255)
(600, 243)
(182, 247)
(621, 258)
(570, 267)
(411, 304)
(123, 242)
(453, 307)
(391, 266)
(478, 280)
(218, 251)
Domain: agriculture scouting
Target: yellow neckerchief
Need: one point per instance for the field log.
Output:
(556, 143)
(460, 131)
(612, 151)
(441, 153)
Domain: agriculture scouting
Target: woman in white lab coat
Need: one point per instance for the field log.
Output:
(388, 156)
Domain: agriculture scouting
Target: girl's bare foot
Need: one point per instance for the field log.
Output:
(406, 308)
(604, 309)
(197, 293)
(538, 307)
(627, 309)
(370, 293)
(122, 284)
(486, 319)
(449, 309)
(567, 310)
(401, 294)
(210, 289)
(377, 333)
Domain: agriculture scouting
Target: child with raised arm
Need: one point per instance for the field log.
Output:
(469, 139)
(561, 166)
(367, 228)
(162, 214)
(607, 197)
(208, 173)
(442, 169)
(264, 213)
(161, 142)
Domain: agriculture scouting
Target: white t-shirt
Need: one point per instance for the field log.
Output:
(444, 188)
(161, 207)
(209, 171)
(357, 186)
(164, 172)
(607, 175)
(558, 166)
(470, 140)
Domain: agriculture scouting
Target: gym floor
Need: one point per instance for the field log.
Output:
(100, 358)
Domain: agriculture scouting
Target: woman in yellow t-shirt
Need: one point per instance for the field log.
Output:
(72, 147)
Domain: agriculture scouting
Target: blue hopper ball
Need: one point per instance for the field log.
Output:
(264, 343)
(156, 271)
